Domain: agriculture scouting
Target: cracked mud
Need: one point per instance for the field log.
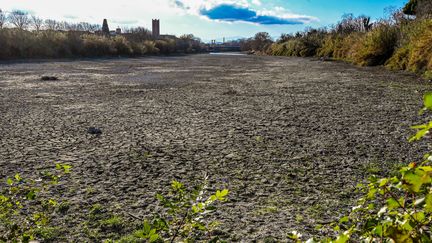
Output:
(289, 137)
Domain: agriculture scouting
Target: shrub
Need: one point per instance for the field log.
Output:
(95, 46)
(341, 47)
(122, 46)
(415, 53)
(377, 46)
(17, 43)
(150, 47)
(303, 45)
(165, 46)
(184, 217)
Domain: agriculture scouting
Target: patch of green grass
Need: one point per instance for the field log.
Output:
(299, 218)
(63, 207)
(96, 209)
(114, 223)
(49, 234)
(267, 210)
(372, 168)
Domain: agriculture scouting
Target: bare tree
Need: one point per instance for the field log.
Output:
(51, 24)
(3, 19)
(36, 23)
(19, 19)
(94, 27)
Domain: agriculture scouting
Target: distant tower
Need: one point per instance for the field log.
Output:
(155, 27)
(105, 28)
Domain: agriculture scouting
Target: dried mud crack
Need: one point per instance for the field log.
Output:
(289, 137)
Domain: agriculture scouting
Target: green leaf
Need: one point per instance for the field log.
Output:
(176, 185)
(412, 181)
(146, 227)
(428, 205)
(392, 203)
(427, 100)
(220, 195)
(31, 195)
(383, 182)
(378, 230)
(66, 168)
(343, 220)
(342, 238)
(9, 181)
(154, 237)
(18, 177)
(419, 216)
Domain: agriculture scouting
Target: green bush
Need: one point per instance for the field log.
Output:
(305, 45)
(184, 217)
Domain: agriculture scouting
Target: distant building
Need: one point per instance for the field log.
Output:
(105, 28)
(156, 28)
(118, 31)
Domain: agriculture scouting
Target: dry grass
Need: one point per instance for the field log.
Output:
(55, 44)
(400, 45)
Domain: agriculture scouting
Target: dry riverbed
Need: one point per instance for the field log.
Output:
(289, 137)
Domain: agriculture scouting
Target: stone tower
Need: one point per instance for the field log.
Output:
(155, 28)
(105, 28)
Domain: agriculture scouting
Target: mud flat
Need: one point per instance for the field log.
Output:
(289, 137)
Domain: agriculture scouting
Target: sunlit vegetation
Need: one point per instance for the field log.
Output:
(400, 42)
(30, 207)
(24, 36)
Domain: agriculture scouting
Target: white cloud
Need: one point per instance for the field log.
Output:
(256, 2)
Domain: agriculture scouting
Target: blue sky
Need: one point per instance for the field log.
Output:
(208, 19)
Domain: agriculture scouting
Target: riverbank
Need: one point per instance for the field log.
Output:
(289, 137)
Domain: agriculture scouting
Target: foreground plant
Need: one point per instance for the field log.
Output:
(396, 209)
(184, 217)
(26, 205)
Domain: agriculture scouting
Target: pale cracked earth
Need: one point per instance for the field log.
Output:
(289, 137)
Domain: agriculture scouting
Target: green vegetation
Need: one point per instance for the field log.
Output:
(393, 209)
(183, 218)
(29, 209)
(27, 206)
(399, 42)
(397, 208)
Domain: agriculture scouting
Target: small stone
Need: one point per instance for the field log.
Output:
(94, 131)
(49, 78)
(231, 156)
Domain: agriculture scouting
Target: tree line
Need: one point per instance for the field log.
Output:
(27, 36)
(22, 20)
(401, 41)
